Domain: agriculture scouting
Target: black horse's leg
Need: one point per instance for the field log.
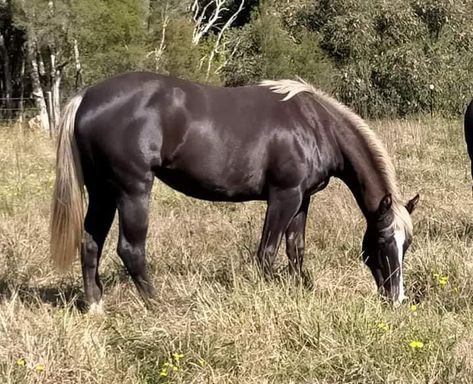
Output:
(133, 214)
(295, 239)
(98, 220)
(283, 205)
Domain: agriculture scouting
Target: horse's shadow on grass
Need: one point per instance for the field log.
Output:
(70, 294)
(60, 296)
(63, 295)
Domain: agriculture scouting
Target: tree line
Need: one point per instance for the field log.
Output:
(382, 58)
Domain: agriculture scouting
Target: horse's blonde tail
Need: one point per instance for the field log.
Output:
(68, 198)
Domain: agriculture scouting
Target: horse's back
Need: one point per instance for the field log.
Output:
(133, 97)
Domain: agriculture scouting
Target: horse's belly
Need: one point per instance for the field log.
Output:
(222, 188)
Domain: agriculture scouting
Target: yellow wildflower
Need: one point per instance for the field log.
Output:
(39, 367)
(163, 372)
(383, 326)
(21, 362)
(177, 356)
(443, 280)
(413, 307)
(416, 344)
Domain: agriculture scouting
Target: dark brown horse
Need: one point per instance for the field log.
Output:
(279, 141)
(469, 133)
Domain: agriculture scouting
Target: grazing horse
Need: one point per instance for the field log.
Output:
(279, 141)
(469, 133)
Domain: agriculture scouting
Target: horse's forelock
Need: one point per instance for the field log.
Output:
(402, 219)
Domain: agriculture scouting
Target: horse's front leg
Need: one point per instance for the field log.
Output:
(283, 205)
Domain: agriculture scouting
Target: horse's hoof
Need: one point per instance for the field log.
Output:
(96, 308)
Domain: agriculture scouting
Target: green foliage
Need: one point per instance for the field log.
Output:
(266, 50)
(183, 59)
(390, 54)
(379, 57)
(111, 36)
(47, 22)
(245, 66)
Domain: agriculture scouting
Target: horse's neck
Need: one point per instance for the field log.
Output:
(361, 171)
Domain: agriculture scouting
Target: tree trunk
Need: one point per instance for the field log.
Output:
(56, 77)
(56, 90)
(57, 98)
(6, 75)
(38, 93)
(22, 89)
(78, 65)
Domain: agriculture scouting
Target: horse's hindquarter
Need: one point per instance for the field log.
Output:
(116, 131)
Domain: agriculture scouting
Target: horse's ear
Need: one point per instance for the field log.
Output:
(411, 204)
(385, 205)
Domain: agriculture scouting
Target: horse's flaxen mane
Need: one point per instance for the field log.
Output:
(384, 164)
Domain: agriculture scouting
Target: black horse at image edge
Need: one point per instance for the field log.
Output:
(469, 133)
(277, 141)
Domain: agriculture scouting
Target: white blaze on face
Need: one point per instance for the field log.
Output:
(400, 237)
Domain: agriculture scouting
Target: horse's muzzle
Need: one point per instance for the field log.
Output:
(394, 292)
(391, 289)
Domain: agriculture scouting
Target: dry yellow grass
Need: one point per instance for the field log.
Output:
(216, 321)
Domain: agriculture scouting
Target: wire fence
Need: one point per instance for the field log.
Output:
(14, 110)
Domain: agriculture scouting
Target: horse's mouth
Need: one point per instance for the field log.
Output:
(394, 293)
(392, 290)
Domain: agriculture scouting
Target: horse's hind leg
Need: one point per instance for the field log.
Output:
(98, 220)
(133, 214)
(283, 205)
(295, 239)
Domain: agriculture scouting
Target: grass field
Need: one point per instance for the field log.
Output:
(215, 320)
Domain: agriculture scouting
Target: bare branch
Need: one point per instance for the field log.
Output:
(228, 24)
(159, 51)
(228, 57)
(162, 45)
(201, 27)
